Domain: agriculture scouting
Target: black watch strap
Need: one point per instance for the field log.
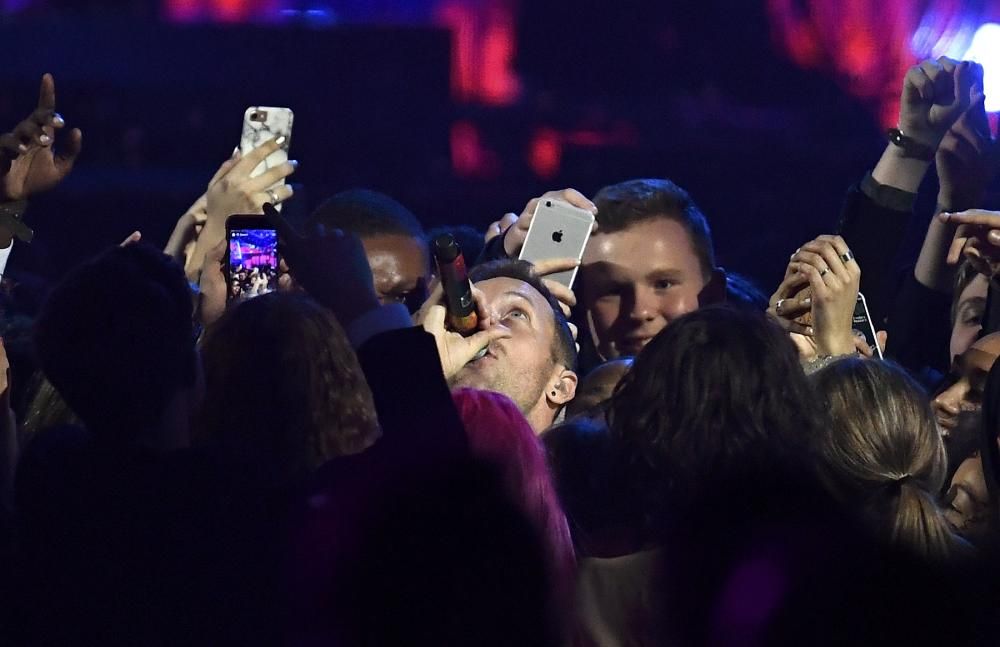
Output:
(911, 147)
(11, 217)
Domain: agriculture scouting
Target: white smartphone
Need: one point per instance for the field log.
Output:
(263, 123)
(862, 321)
(557, 230)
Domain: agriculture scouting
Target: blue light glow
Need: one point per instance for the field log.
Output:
(985, 50)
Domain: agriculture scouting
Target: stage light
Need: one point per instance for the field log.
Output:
(985, 50)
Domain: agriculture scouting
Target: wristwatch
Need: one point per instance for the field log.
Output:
(11, 214)
(911, 147)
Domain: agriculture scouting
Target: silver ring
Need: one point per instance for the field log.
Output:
(823, 272)
(273, 196)
(847, 256)
(779, 304)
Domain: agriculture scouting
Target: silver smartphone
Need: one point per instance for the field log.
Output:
(862, 322)
(558, 230)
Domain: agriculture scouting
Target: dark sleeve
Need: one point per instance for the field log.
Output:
(873, 222)
(493, 250)
(415, 410)
(919, 327)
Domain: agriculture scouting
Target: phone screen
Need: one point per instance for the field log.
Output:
(253, 262)
(862, 322)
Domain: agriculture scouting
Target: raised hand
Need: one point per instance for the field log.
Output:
(834, 277)
(968, 157)
(822, 281)
(233, 191)
(515, 234)
(181, 245)
(29, 163)
(977, 238)
(935, 94)
(565, 296)
(499, 226)
(791, 301)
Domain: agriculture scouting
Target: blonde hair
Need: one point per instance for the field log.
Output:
(882, 452)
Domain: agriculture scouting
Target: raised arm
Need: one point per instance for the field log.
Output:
(30, 164)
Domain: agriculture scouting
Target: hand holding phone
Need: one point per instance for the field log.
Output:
(515, 228)
(557, 230)
(862, 322)
(260, 125)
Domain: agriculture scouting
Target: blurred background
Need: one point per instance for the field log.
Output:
(765, 110)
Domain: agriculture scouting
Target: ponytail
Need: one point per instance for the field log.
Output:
(919, 524)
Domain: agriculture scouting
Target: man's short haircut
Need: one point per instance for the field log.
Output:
(563, 345)
(116, 339)
(622, 205)
(367, 213)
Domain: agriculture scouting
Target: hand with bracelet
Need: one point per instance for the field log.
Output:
(29, 163)
(234, 190)
(935, 94)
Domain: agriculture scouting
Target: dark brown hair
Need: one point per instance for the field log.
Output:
(284, 386)
(622, 205)
(717, 397)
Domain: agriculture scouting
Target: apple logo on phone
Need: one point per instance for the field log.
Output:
(557, 236)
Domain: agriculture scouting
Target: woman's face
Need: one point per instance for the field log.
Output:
(967, 501)
(968, 315)
(969, 371)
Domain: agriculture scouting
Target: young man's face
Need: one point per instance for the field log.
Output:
(520, 366)
(401, 268)
(636, 281)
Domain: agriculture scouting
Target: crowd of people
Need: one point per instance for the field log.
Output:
(661, 455)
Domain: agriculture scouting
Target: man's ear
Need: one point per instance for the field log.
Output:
(714, 291)
(562, 389)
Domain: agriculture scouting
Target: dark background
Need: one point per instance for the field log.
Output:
(692, 91)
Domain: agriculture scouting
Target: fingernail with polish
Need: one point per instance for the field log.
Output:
(22, 148)
(236, 152)
(44, 139)
(807, 301)
(57, 120)
(294, 163)
(280, 140)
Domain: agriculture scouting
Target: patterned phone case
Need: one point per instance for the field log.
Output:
(271, 123)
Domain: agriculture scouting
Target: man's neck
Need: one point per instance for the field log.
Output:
(541, 417)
